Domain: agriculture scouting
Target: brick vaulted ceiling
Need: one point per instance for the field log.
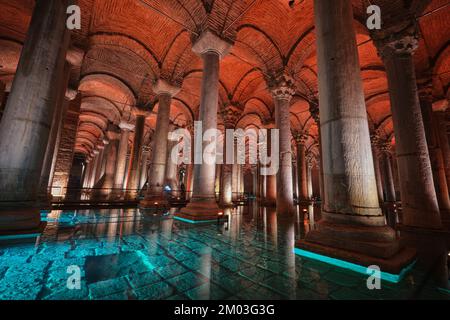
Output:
(128, 44)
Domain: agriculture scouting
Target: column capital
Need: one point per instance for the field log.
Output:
(402, 42)
(386, 146)
(281, 86)
(209, 42)
(300, 137)
(162, 87)
(126, 126)
(231, 114)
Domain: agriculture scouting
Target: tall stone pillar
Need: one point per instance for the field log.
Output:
(121, 166)
(52, 145)
(144, 167)
(282, 89)
(374, 138)
(101, 158)
(419, 201)
(309, 177)
(441, 129)
(301, 138)
(157, 170)
(95, 160)
(352, 227)
(26, 122)
(230, 116)
(270, 185)
(171, 174)
(315, 114)
(133, 170)
(388, 175)
(203, 205)
(111, 161)
(436, 157)
(87, 171)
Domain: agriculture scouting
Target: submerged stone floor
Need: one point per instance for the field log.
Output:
(125, 254)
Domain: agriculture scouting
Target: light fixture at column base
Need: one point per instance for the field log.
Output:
(402, 263)
(198, 211)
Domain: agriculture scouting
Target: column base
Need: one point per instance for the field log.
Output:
(200, 210)
(363, 245)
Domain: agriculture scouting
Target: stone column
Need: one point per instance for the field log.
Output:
(436, 158)
(376, 163)
(444, 140)
(353, 226)
(310, 186)
(87, 174)
(203, 205)
(133, 170)
(111, 161)
(26, 122)
(171, 174)
(388, 176)
(301, 138)
(144, 167)
(441, 129)
(282, 89)
(230, 116)
(52, 145)
(419, 201)
(157, 170)
(315, 114)
(270, 181)
(95, 157)
(119, 177)
(101, 157)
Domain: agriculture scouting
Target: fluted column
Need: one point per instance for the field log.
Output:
(133, 171)
(158, 164)
(121, 165)
(353, 226)
(203, 205)
(282, 88)
(26, 122)
(419, 201)
(301, 138)
(436, 157)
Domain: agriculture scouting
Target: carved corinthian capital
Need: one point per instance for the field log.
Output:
(403, 42)
(282, 87)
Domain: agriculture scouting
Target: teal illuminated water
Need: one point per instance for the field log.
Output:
(125, 254)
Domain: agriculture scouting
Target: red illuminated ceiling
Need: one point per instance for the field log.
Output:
(131, 43)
